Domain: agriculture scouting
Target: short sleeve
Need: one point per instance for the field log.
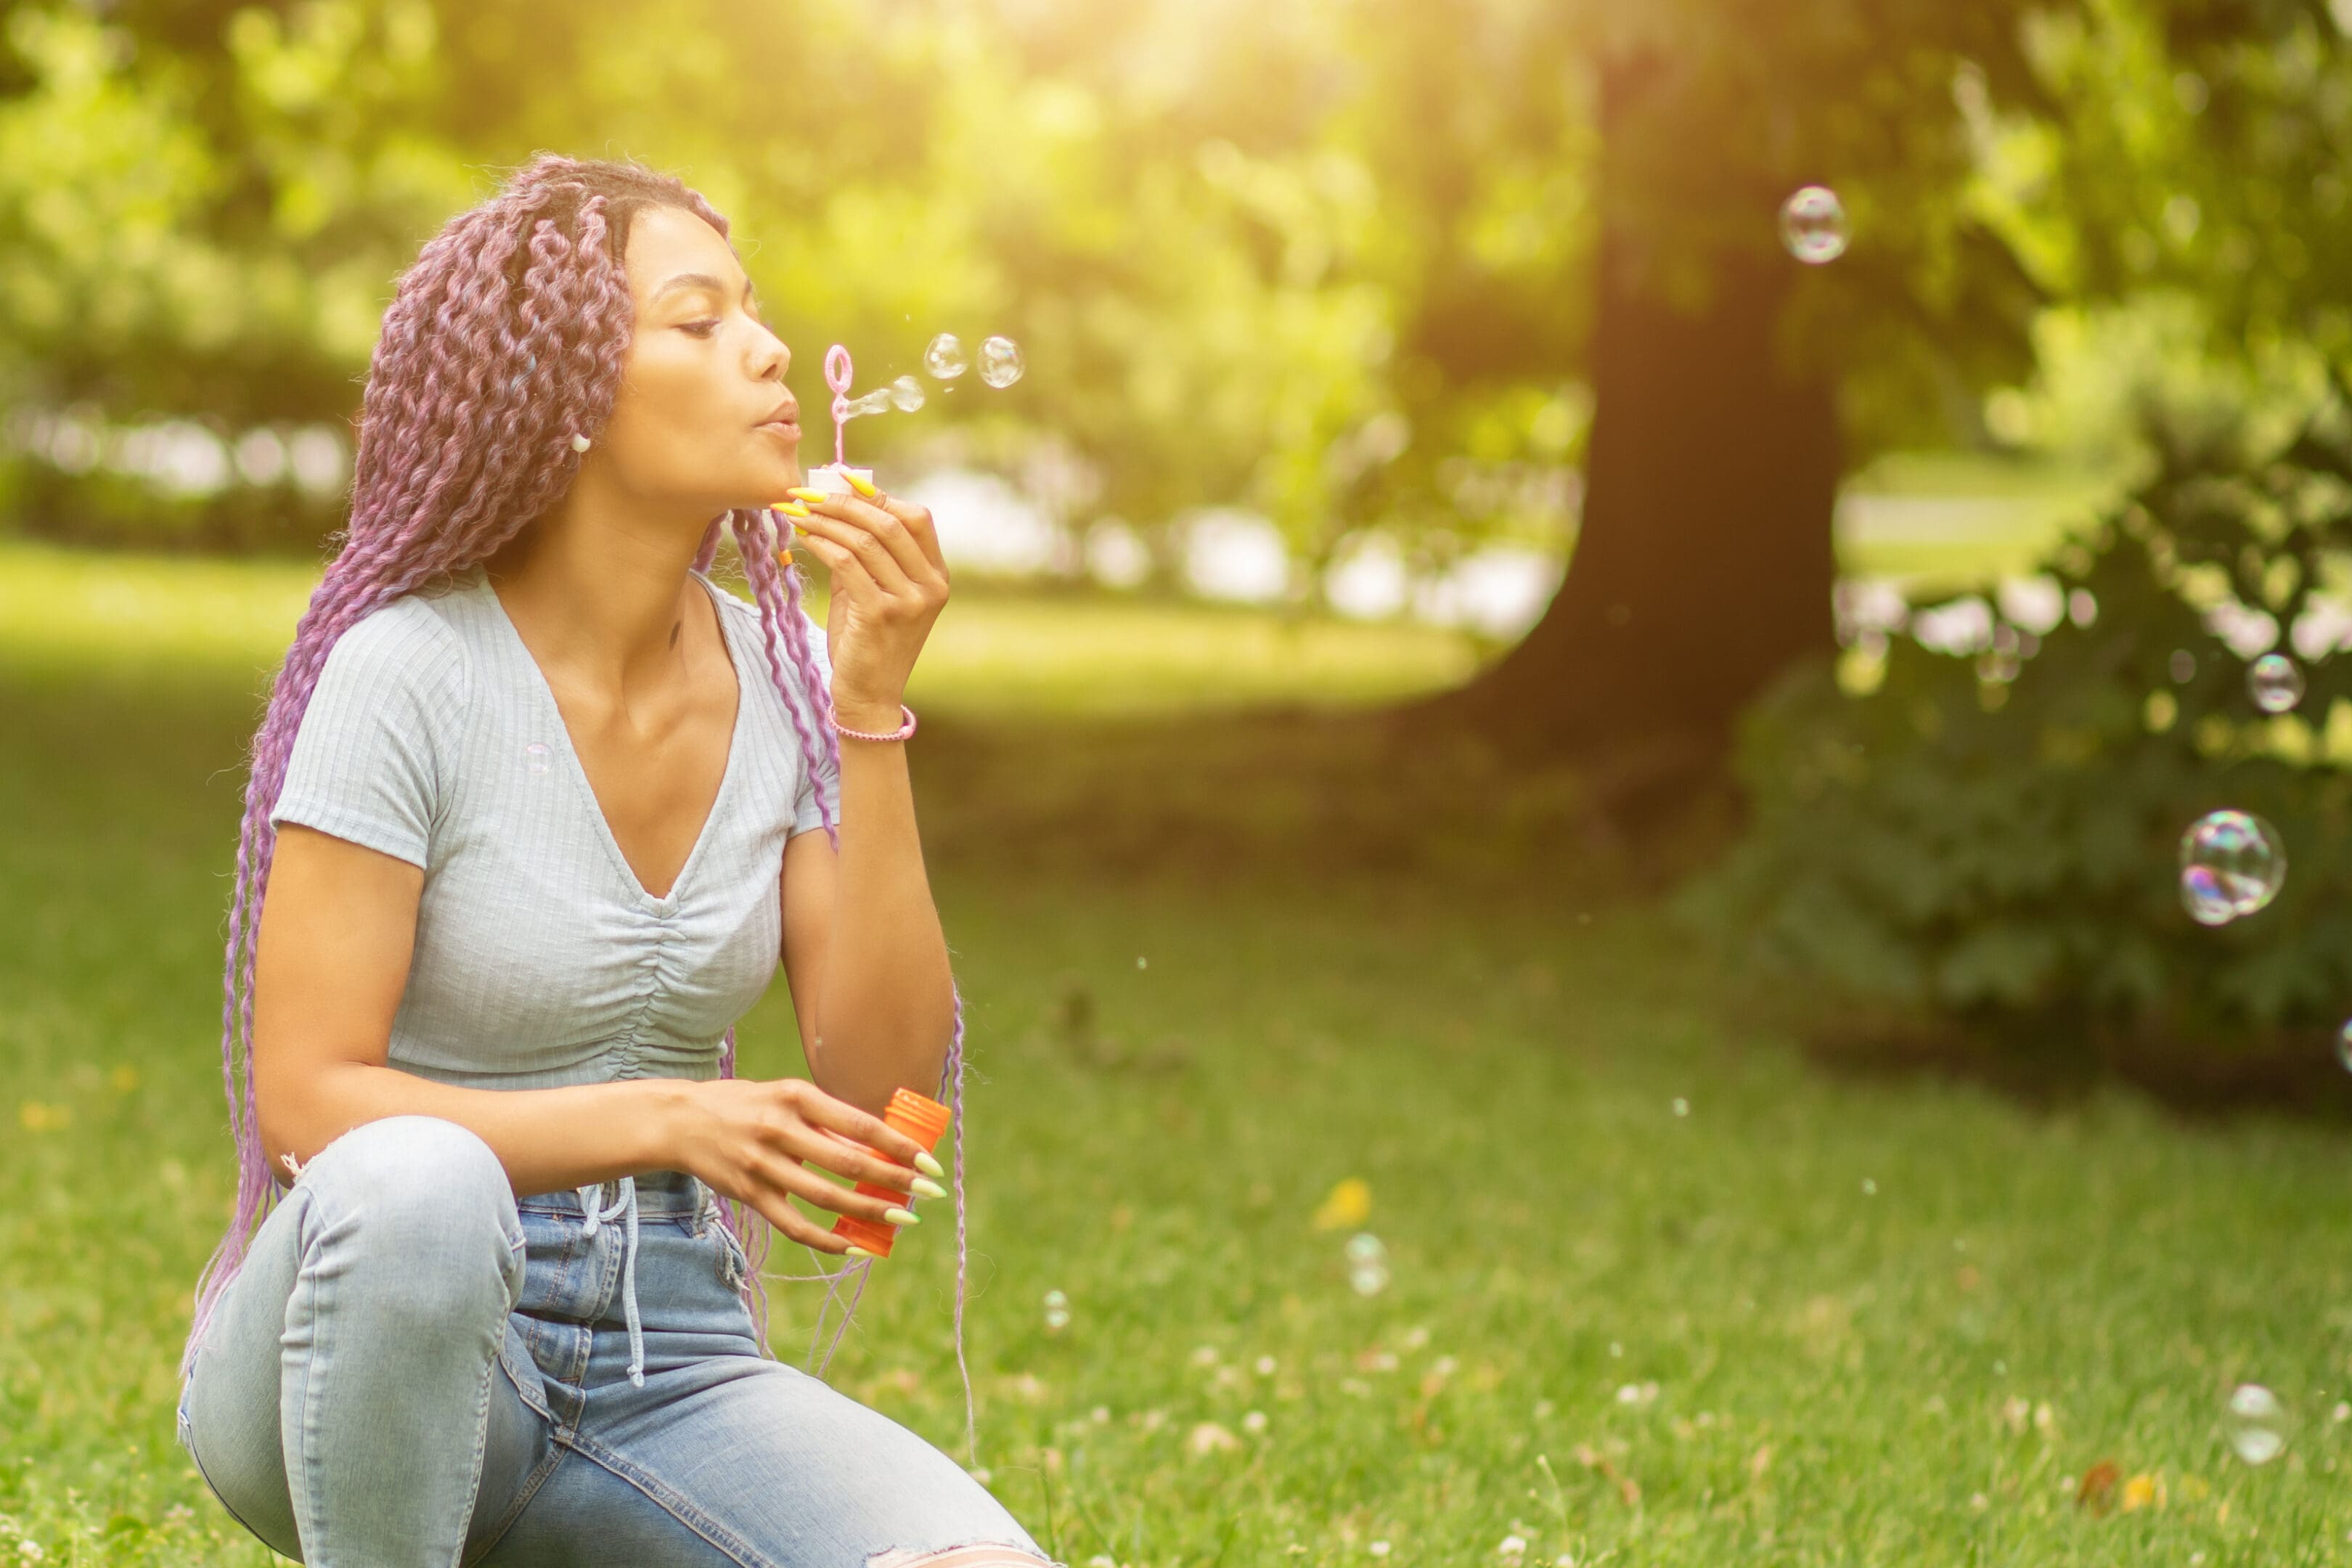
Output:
(370, 763)
(804, 809)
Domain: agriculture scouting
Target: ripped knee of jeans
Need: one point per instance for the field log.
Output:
(980, 1554)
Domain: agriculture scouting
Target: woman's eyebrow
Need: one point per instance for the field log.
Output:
(699, 280)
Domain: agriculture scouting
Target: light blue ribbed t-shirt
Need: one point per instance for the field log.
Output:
(540, 960)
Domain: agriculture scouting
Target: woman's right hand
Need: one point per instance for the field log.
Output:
(752, 1139)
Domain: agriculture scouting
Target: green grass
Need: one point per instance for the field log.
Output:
(146, 619)
(1855, 1302)
(1958, 520)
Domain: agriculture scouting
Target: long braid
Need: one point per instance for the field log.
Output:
(464, 289)
(506, 337)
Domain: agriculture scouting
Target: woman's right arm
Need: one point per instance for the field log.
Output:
(338, 930)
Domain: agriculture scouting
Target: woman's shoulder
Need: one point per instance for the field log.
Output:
(411, 645)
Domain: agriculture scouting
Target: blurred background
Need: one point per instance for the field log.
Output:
(1639, 772)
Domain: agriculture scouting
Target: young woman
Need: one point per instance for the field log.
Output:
(531, 807)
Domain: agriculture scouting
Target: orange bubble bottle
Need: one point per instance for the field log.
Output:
(925, 1120)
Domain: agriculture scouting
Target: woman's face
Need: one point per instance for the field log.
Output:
(703, 420)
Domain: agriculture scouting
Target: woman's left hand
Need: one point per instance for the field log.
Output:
(890, 584)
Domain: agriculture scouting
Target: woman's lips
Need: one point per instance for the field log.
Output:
(788, 428)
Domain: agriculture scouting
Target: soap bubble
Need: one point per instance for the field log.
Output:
(535, 756)
(1057, 1311)
(1813, 226)
(875, 402)
(2201, 896)
(2232, 864)
(2257, 1424)
(907, 395)
(1367, 1263)
(1001, 363)
(944, 359)
(2275, 683)
(2344, 1046)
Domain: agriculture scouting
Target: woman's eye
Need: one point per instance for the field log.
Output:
(700, 329)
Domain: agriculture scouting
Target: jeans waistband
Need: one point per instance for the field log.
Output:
(657, 1193)
(662, 1193)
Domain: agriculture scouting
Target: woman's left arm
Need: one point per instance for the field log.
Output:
(863, 949)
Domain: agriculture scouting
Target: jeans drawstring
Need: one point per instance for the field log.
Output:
(625, 1209)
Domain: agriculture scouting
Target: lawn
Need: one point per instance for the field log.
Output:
(1941, 523)
(1659, 1292)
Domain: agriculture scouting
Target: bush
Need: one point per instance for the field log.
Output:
(1978, 855)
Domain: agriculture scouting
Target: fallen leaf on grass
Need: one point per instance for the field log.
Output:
(2097, 1491)
(1348, 1205)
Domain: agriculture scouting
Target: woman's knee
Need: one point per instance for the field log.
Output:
(423, 1193)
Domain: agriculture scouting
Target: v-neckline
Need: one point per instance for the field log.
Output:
(579, 769)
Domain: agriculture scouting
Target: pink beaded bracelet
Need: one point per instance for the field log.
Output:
(904, 730)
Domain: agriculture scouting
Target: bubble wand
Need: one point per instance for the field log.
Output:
(837, 478)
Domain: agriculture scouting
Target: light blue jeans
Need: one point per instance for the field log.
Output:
(413, 1367)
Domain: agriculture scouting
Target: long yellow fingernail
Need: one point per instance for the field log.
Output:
(802, 492)
(861, 484)
(856, 1251)
(901, 1216)
(926, 1164)
(927, 1188)
(791, 509)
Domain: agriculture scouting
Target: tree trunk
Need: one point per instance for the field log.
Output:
(1704, 561)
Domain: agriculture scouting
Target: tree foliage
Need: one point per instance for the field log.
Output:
(1335, 259)
(1990, 839)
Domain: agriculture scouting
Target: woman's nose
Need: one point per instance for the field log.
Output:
(773, 358)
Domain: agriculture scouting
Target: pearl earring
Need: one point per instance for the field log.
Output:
(580, 443)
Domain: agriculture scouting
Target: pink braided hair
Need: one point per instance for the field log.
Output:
(505, 337)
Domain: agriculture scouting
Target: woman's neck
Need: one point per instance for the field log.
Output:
(602, 598)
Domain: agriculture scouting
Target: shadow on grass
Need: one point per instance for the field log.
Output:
(2292, 1070)
(1297, 797)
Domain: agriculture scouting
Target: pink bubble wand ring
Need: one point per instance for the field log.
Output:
(837, 376)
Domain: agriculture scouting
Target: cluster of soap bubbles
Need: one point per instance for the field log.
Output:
(2231, 862)
(1367, 1263)
(1057, 1311)
(2257, 1424)
(1001, 364)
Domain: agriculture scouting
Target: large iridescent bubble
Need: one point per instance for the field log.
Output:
(2232, 864)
